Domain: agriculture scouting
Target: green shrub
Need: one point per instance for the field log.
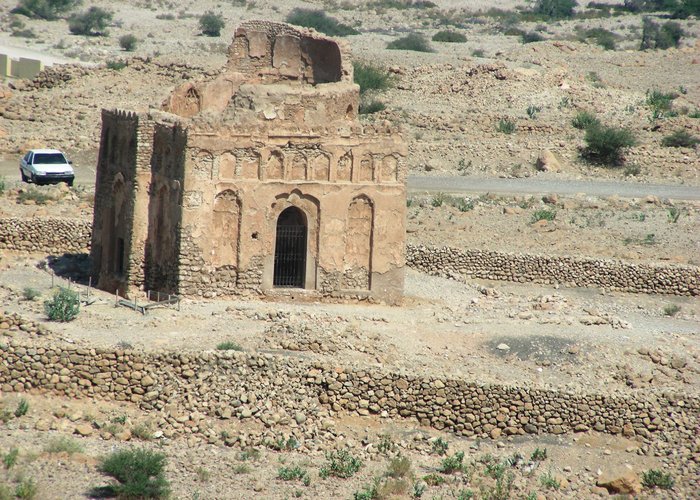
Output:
(439, 199)
(370, 77)
(370, 492)
(22, 408)
(34, 195)
(26, 489)
(3, 185)
(604, 38)
(24, 33)
(549, 481)
(399, 467)
(505, 126)
(660, 37)
(369, 107)
(211, 24)
(584, 119)
(92, 22)
(292, 474)
(228, 346)
(44, 9)
(680, 139)
(318, 20)
(64, 305)
(63, 444)
(452, 464)
(654, 478)
(440, 446)
(139, 474)
(128, 42)
(414, 42)
(686, 8)
(605, 145)
(401, 4)
(10, 458)
(530, 37)
(434, 479)
(673, 214)
(116, 64)
(30, 293)
(539, 455)
(340, 464)
(671, 310)
(532, 111)
(543, 214)
(556, 9)
(660, 103)
(449, 37)
(478, 53)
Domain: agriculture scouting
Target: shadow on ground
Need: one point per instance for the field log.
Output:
(535, 348)
(72, 266)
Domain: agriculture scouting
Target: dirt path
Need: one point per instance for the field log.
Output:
(455, 184)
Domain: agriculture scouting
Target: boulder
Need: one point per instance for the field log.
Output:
(547, 162)
(620, 481)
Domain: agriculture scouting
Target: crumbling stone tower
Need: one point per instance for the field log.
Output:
(259, 179)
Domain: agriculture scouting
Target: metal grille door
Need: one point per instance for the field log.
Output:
(290, 256)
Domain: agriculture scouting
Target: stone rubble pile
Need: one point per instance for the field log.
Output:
(11, 323)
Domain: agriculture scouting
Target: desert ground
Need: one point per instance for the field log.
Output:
(449, 102)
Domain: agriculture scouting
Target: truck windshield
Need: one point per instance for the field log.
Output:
(49, 159)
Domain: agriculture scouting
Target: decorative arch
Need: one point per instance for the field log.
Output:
(309, 207)
(357, 269)
(366, 171)
(390, 168)
(320, 167)
(274, 169)
(343, 170)
(203, 164)
(298, 166)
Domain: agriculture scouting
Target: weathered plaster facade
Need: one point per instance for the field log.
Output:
(258, 179)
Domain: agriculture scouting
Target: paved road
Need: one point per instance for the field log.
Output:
(543, 186)
(85, 175)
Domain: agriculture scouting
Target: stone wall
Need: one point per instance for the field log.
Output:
(57, 236)
(604, 273)
(278, 391)
(50, 235)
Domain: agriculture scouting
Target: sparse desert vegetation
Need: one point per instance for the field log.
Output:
(608, 91)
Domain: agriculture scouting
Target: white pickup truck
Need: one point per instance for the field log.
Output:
(46, 166)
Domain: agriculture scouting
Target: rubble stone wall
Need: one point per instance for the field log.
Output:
(277, 389)
(580, 272)
(50, 235)
(53, 235)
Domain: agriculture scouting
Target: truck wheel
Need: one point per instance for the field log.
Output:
(24, 177)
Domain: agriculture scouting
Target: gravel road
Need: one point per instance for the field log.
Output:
(460, 184)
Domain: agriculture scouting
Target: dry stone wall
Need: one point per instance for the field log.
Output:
(50, 235)
(53, 235)
(604, 273)
(279, 390)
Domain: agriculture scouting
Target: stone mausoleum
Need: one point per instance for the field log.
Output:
(259, 179)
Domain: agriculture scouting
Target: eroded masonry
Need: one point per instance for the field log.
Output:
(259, 179)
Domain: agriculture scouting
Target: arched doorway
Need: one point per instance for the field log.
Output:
(290, 249)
